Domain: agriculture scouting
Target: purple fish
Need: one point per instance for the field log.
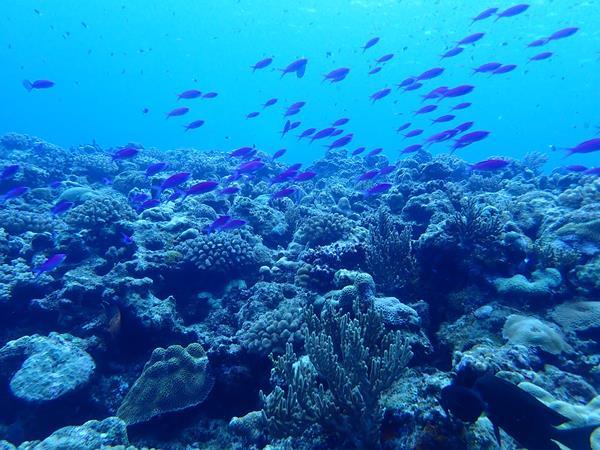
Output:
(374, 152)
(461, 106)
(370, 43)
(279, 153)
(561, 34)
(452, 52)
(513, 11)
(413, 87)
(155, 168)
(261, 64)
(541, 56)
(340, 122)
(291, 112)
(538, 42)
(337, 75)
(593, 171)
(9, 171)
(406, 82)
(369, 175)
(250, 166)
(435, 93)
(341, 142)
(374, 70)
(202, 187)
(193, 125)
(233, 224)
(464, 127)
(576, 168)
(386, 170)
(384, 58)
(380, 94)
(358, 151)
(229, 190)
(485, 14)
(441, 136)
(490, 164)
(471, 39)
(458, 91)
(210, 95)
(295, 166)
(37, 84)
(297, 105)
(270, 102)
(426, 109)
(217, 224)
(286, 128)
(50, 264)
(593, 145)
(431, 73)
(175, 180)
(240, 152)
(487, 67)
(445, 118)
(306, 133)
(298, 67)
(284, 176)
(61, 207)
(305, 176)
(403, 127)
(504, 69)
(412, 148)
(140, 197)
(377, 189)
(470, 138)
(294, 125)
(192, 93)
(337, 132)
(413, 133)
(285, 192)
(125, 153)
(325, 132)
(252, 115)
(178, 111)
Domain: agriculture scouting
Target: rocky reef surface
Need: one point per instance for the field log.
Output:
(328, 319)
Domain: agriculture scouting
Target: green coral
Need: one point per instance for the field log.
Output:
(350, 362)
(173, 379)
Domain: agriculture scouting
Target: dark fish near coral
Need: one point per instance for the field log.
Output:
(358, 151)
(125, 153)
(513, 11)
(15, 192)
(202, 187)
(490, 164)
(298, 67)
(38, 84)
(485, 14)
(370, 43)
(155, 168)
(279, 153)
(175, 180)
(576, 168)
(564, 33)
(239, 152)
(193, 125)
(413, 133)
(61, 207)
(9, 171)
(284, 176)
(412, 148)
(386, 170)
(592, 145)
(216, 224)
(178, 111)
(190, 94)
(374, 152)
(341, 142)
(442, 136)
(306, 133)
(154, 202)
(380, 94)
(250, 166)
(377, 189)
(369, 175)
(229, 190)
(305, 176)
(593, 171)
(469, 139)
(471, 39)
(233, 224)
(285, 192)
(522, 416)
(261, 64)
(50, 264)
(270, 102)
(325, 132)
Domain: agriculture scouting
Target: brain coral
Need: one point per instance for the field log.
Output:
(99, 212)
(224, 253)
(577, 316)
(322, 229)
(533, 332)
(173, 379)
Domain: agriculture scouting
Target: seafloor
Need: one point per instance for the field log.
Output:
(155, 333)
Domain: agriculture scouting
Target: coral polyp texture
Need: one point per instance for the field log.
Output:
(200, 304)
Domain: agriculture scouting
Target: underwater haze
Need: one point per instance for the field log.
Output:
(299, 225)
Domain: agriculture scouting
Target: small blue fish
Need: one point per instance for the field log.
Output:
(377, 189)
(374, 70)
(298, 67)
(252, 115)
(279, 153)
(61, 207)
(452, 52)
(261, 64)
(217, 224)
(370, 43)
(341, 142)
(306, 133)
(155, 168)
(380, 94)
(385, 58)
(50, 264)
(270, 102)
(229, 190)
(14, 193)
(210, 95)
(340, 122)
(233, 224)
(337, 75)
(188, 95)
(358, 151)
(178, 112)
(37, 84)
(193, 125)
(125, 153)
(285, 192)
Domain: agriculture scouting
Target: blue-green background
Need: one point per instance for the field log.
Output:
(141, 53)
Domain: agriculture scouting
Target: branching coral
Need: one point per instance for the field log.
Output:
(351, 362)
(474, 225)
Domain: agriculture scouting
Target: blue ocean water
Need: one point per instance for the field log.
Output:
(112, 59)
